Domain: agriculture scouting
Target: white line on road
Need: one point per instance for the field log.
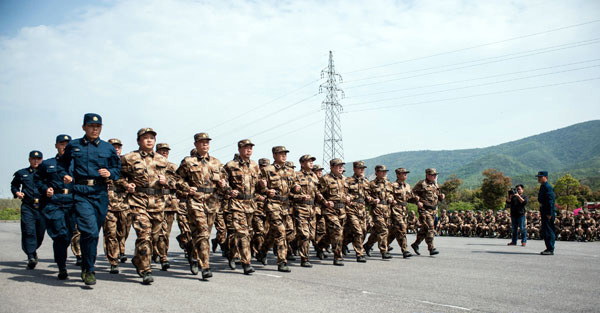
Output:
(270, 275)
(445, 305)
(368, 292)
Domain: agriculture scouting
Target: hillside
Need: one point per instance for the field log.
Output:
(574, 149)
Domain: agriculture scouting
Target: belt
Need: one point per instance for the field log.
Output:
(152, 191)
(359, 200)
(64, 191)
(87, 182)
(32, 201)
(339, 205)
(245, 196)
(308, 202)
(280, 198)
(383, 202)
(116, 189)
(205, 190)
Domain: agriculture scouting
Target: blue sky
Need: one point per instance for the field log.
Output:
(417, 75)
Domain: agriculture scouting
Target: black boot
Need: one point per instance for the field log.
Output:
(214, 244)
(386, 256)
(282, 267)
(248, 269)
(415, 248)
(433, 251)
(406, 254)
(367, 249)
(305, 264)
(114, 269)
(62, 274)
(147, 279)
(338, 262)
(122, 258)
(78, 261)
(194, 267)
(165, 265)
(206, 273)
(361, 259)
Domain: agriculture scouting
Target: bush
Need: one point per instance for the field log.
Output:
(461, 206)
(10, 209)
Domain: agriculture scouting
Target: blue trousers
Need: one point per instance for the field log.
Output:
(33, 228)
(516, 223)
(60, 224)
(90, 212)
(548, 232)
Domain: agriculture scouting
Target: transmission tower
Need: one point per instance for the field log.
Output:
(332, 143)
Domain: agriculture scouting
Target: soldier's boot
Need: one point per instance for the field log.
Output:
(214, 244)
(231, 262)
(305, 263)
(155, 258)
(122, 258)
(320, 254)
(386, 256)
(89, 278)
(547, 252)
(433, 251)
(62, 274)
(345, 250)
(390, 248)
(194, 267)
(367, 249)
(114, 269)
(261, 257)
(338, 262)
(282, 267)
(415, 248)
(206, 273)
(290, 256)
(406, 254)
(31, 263)
(164, 265)
(361, 259)
(237, 261)
(78, 261)
(147, 279)
(248, 269)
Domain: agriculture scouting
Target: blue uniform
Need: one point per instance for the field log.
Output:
(33, 225)
(90, 192)
(546, 199)
(56, 210)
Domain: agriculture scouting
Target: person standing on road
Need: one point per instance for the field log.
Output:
(547, 213)
(517, 202)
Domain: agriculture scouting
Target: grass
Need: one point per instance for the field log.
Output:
(10, 209)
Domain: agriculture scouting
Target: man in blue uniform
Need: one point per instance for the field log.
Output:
(547, 212)
(58, 201)
(94, 161)
(32, 222)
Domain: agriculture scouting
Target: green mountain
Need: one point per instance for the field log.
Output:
(574, 149)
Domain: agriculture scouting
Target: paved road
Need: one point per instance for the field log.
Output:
(470, 274)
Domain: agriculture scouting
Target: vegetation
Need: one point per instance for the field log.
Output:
(10, 209)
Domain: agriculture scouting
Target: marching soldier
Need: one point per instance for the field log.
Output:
(320, 227)
(185, 233)
(172, 202)
(33, 224)
(355, 229)
(259, 220)
(381, 192)
(144, 175)
(402, 195)
(429, 194)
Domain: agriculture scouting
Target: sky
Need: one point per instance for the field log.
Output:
(416, 75)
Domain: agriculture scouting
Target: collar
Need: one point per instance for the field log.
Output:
(380, 180)
(205, 159)
(277, 166)
(30, 169)
(85, 141)
(306, 172)
(336, 176)
(358, 177)
(401, 183)
(145, 154)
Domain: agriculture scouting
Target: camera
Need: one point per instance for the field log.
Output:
(512, 191)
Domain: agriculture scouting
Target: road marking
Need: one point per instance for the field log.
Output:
(445, 305)
(270, 275)
(368, 292)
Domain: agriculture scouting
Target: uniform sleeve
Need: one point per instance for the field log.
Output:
(124, 173)
(15, 184)
(40, 179)
(64, 162)
(114, 164)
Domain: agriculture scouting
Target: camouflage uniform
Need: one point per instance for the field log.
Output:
(334, 189)
(443, 223)
(455, 224)
(200, 178)
(469, 224)
(171, 207)
(320, 226)
(355, 229)
(382, 190)
(259, 224)
(116, 226)
(412, 223)
(428, 193)
(402, 195)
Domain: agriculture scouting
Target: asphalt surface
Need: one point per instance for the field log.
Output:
(470, 274)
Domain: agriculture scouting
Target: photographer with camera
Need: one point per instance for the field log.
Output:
(517, 201)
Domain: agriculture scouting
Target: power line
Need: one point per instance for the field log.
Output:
(471, 96)
(578, 44)
(473, 86)
(475, 47)
(304, 127)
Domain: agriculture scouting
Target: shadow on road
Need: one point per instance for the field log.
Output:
(507, 252)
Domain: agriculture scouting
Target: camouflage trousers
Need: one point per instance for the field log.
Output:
(167, 227)
(221, 235)
(335, 234)
(320, 231)
(453, 229)
(200, 247)
(148, 228)
(466, 230)
(277, 218)
(75, 246)
(305, 223)
(426, 230)
(116, 229)
(290, 231)
(397, 231)
(185, 233)
(355, 230)
(566, 233)
(239, 228)
(379, 232)
(260, 228)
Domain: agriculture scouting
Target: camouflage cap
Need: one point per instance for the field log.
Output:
(115, 141)
(62, 138)
(307, 157)
(359, 164)
(263, 161)
(317, 167)
(381, 168)
(201, 136)
(278, 149)
(144, 131)
(290, 164)
(336, 161)
(245, 142)
(36, 154)
(162, 146)
(431, 171)
(401, 170)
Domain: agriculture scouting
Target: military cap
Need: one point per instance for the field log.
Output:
(36, 154)
(201, 136)
(401, 170)
(162, 146)
(336, 161)
(278, 149)
(144, 131)
(381, 168)
(542, 173)
(431, 171)
(92, 118)
(359, 164)
(317, 167)
(115, 141)
(307, 157)
(62, 137)
(263, 161)
(290, 164)
(245, 142)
